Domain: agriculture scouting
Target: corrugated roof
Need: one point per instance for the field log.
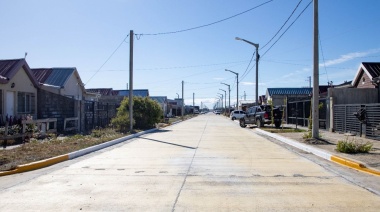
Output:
(159, 99)
(53, 76)
(102, 91)
(372, 68)
(289, 91)
(141, 92)
(6, 67)
(9, 68)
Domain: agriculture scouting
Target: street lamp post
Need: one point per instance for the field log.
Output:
(257, 66)
(229, 96)
(237, 88)
(225, 101)
(222, 99)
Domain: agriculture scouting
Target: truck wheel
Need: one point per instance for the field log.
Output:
(233, 118)
(277, 124)
(242, 123)
(259, 123)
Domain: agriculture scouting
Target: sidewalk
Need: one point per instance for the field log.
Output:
(369, 160)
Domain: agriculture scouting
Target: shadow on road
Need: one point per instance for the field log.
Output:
(169, 143)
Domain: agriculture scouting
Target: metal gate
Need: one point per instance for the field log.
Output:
(298, 112)
(346, 121)
(98, 114)
(373, 121)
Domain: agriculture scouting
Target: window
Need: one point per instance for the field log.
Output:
(25, 102)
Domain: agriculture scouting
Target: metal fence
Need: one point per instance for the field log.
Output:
(298, 112)
(346, 121)
(98, 114)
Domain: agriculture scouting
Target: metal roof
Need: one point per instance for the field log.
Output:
(290, 91)
(9, 68)
(102, 91)
(159, 99)
(140, 92)
(53, 76)
(372, 68)
(6, 66)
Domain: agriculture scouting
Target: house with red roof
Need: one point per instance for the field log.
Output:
(18, 89)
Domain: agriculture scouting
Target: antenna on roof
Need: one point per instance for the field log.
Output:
(26, 53)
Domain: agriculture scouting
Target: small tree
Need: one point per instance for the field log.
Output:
(146, 112)
(121, 121)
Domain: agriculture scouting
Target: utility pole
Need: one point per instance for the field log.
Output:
(183, 102)
(229, 96)
(309, 79)
(245, 96)
(131, 80)
(315, 128)
(237, 88)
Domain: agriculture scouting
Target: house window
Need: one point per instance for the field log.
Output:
(25, 102)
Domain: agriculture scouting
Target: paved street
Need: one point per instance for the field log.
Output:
(206, 163)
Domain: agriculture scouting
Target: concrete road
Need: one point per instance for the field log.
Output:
(207, 163)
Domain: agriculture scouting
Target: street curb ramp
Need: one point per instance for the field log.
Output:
(323, 154)
(72, 155)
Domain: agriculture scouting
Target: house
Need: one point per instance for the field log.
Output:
(163, 101)
(365, 75)
(277, 95)
(62, 81)
(111, 96)
(136, 92)
(18, 89)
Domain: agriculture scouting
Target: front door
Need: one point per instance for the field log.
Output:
(10, 101)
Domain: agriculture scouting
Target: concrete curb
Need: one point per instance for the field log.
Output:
(72, 155)
(323, 154)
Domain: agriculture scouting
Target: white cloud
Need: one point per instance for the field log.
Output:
(247, 83)
(348, 57)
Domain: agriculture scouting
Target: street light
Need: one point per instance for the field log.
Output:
(177, 95)
(225, 97)
(229, 96)
(222, 98)
(237, 88)
(257, 66)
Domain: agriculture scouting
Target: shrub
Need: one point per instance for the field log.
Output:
(146, 113)
(353, 147)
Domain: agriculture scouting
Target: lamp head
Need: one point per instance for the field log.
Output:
(237, 38)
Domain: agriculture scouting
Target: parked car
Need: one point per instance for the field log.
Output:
(237, 114)
(261, 115)
(217, 112)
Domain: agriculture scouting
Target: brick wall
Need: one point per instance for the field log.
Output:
(50, 105)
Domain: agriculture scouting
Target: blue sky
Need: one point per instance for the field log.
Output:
(84, 33)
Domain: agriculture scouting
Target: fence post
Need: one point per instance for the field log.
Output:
(331, 129)
(93, 115)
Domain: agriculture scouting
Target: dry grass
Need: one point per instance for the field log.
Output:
(281, 130)
(52, 146)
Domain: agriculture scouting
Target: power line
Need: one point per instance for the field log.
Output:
(286, 29)
(205, 25)
(107, 59)
(282, 25)
(245, 72)
(323, 58)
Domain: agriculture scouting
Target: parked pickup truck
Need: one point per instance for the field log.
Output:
(261, 115)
